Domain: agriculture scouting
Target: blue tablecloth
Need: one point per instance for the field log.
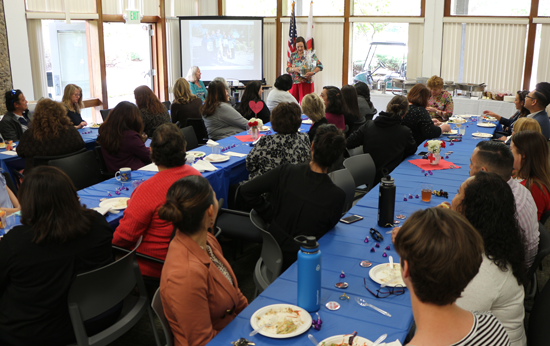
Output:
(343, 248)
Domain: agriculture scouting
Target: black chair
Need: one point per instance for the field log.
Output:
(156, 304)
(98, 291)
(538, 333)
(9, 182)
(101, 160)
(43, 160)
(363, 170)
(104, 113)
(182, 117)
(83, 169)
(543, 251)
(344, 180)
(270, 264)
(545, 217)
(166, 105)
(190, 137)
(200, 129)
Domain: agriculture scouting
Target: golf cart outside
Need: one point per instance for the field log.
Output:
(381, 71)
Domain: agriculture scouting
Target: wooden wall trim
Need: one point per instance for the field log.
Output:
(278, 51)
(101, 44)
(346, 42)
(163, 61)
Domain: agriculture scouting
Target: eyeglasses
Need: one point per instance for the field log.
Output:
(529, 97)
(385, 291)
(376, 235)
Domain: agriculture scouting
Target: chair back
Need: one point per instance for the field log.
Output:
(545, 217)
(538, 332)
(101, 160)
(9, 182)
(95, 292)
(83, 169)
(356, 151)
(167, 104)
(156, 304)
(543, 250)
(272, 256)
(43, 160)
(183, 115)
(190, 137)
(104, 113)
(200, 129)
(363, 170)
(344, 180)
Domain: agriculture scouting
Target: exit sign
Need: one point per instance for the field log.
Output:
(132, 17)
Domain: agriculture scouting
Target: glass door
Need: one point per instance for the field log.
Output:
(128, 60)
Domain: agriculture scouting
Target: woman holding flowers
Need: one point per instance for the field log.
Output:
(302, 66)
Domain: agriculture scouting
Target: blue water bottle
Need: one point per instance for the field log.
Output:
(309, 273)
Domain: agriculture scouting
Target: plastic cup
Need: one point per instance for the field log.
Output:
(426, 192)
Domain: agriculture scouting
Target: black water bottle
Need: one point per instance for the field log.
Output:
(386, 202)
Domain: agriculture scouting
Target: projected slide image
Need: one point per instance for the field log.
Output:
(215, 45)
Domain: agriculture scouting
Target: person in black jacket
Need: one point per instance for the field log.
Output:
(303, 200)
(384, 138)
(16, 120)
(253, 92)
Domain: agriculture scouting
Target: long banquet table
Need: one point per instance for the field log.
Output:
(343, 248)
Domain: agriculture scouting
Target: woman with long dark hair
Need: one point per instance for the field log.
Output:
(521, 112)
(220, 119)
(530, 150)
(335, 106)
(366, 108)
(153, 112)
(122, 140)
(59, 238)
(253, 92)
(198, 288)
(498, 287)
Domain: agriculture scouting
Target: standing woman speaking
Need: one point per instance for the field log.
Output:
(301, 72)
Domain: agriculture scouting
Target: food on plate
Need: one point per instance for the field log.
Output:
(196, 153)
(95, 126)
(281, 321)
(286, 327)
(121, 203)
(445, 205)
(389, 275)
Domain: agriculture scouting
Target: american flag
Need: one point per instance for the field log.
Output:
(292, 34)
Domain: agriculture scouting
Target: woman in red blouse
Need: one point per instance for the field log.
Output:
(531, 166)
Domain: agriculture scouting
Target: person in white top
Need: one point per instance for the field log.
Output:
(486, 200)
(495, 157)
(280, 93)
(440, 253)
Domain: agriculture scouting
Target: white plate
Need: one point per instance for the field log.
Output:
(482, 135)
(488, 118)
(302, 319)
(307, 121)
(95, 126)
(265, 128)
(215, 158)
(340, 339)
(486, 125)
(466, 116)
(452, 132)
(196, 154)
(381, 274)
(119, 203)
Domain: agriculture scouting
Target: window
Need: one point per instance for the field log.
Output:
(501, 8)
(320, 7)
(259, 8)
(387, 7)
(379, 51)
(544, 7)
(66, 55)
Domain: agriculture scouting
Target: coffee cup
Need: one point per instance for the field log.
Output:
(124, 174)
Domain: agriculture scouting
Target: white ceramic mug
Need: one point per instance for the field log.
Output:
(124, 174)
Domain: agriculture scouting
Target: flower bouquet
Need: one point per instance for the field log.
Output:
(309, 62)
(254, 127)
(434, 148)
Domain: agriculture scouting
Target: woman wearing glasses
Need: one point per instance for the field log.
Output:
(72, 99)
(498, 287)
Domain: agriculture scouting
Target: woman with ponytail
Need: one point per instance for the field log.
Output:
(384, 138)
(198, 288)
(303, 200)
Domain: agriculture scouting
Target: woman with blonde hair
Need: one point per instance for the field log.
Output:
(186, 105)
(527, 124)
(314, 107)
(72, 99)
(440, 104)
(52, 133)
(197, 86)
(153, 112)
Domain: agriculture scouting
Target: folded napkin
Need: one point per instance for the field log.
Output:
(203, 166)
(230, 153)
(212, 143)
(150, 167)
(307, 121)
(246, 138)
(101, 210)
(10, 153)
